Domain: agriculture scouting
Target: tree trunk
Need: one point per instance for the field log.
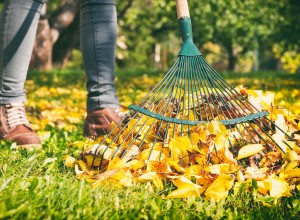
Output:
(42, 50)
(68, 40)
(256, 59)
(231, 58)
(49, 32)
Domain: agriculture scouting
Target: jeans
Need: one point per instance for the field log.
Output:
(98, 24)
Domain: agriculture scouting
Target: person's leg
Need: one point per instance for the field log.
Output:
(98, 44)
(98, 33)
(19, 19)
(18, 24)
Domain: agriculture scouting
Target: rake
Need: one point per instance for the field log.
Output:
(190, 95)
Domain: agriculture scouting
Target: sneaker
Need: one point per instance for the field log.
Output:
(98, 122)
(14, 126)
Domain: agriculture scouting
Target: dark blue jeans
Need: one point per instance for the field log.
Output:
(98, 24)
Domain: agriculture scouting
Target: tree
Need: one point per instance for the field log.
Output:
(238, 26)
(288, 30)
(58, 27)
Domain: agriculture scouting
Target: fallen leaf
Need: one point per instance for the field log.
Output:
(186, 188)
(69, 161)
(249, 150)
(219, 188)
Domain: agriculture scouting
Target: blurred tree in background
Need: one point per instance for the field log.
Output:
(237, 26)
(286, 45)
(234, 35)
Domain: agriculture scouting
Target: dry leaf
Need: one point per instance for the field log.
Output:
(219, 188)
(249, 150)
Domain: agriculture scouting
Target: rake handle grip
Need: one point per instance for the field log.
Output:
(182, 8)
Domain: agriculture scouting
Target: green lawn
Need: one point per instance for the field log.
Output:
(37, 185)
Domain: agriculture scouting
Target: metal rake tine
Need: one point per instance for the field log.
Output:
(219, 78)
(205, 96)
(168, 74)
(200, 93)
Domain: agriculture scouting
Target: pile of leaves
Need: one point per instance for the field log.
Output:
(202, 160)
(54, 108)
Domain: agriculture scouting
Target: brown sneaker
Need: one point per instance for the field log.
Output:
(98, 122)
(14, 125)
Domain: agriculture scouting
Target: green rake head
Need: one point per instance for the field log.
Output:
(188, 47)
(192, 101)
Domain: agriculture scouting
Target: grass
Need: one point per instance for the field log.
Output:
(37, 185)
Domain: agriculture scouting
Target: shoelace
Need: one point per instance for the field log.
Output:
(119, 113)
(16, 115)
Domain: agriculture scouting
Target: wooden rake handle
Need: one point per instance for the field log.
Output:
(182, 8)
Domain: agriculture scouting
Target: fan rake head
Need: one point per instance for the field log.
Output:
(194, 111)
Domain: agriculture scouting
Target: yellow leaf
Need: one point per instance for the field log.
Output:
(255, 173)
(280, 122)
(77, 170)
(155, 153)
(119, 175)
(219, 142)
(291, 155)
(215, 127)
(219, 188)
(203, 134)
(233, 137)
(178, 93)
(69, 161)
(240, 176)
(131, 152)
(175, 165)
(255, 102)
(279, 140)
(263, 186)
(154, 177)
(106, 152)
(147, 176)
(135, 164)
(116, 163)
(157, 181)
(182, 180)
(249, 150)
(104, 176)
(218, 168)
(195, 137)
(82, 165)
(158, 167)
(149, 154)
(228, 155)
(291, 165)
(279, 187)
(295, 173)
(192, 171)
(92, 160)
(126, 181)
(184, 192)
(179, 146)
(186, 188)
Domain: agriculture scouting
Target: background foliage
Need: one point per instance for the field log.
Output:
(234, 35)
(242, 29)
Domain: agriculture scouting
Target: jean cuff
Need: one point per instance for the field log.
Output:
(9, 100)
